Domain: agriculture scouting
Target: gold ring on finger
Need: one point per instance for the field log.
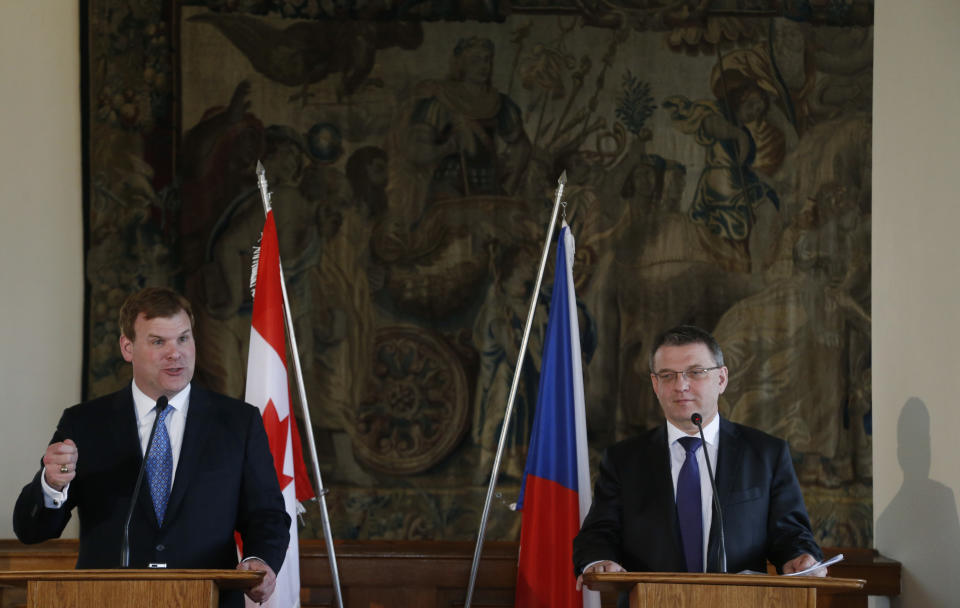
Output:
(64, 468)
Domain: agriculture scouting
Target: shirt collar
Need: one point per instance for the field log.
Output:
(144, 405)
(710, 432)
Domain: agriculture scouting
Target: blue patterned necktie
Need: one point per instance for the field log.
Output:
(160, 466)
(689, 506)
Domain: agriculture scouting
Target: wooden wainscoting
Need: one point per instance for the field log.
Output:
(428, 574)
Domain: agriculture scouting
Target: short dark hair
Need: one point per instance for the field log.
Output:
(686, 334)
(152, 302)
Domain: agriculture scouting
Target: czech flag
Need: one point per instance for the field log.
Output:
(555, 495)
(268, 389)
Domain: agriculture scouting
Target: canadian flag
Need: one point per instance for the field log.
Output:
(268, 389)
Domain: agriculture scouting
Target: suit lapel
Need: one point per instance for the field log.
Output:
(194, 432)
(658, 452)
(123, 426)
(728, 459)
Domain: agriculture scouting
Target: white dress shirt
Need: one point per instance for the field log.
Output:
(678, 455)
(176, 421)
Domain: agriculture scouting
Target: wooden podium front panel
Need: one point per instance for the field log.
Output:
(440, 566)
(126, 593)
(656, 595)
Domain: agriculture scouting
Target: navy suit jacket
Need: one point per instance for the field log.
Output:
(633, 519)
(225, 481)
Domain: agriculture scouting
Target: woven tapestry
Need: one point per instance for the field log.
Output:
(717, 158)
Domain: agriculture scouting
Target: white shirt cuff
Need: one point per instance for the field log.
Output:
(52, 499)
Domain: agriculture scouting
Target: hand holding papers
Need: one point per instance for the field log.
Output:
(833, 560)
(806, 571)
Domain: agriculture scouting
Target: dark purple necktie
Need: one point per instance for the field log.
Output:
(689, 506)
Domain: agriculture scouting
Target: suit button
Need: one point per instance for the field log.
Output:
(160, 547)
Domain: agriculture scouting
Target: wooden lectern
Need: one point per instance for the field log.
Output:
(682, 590)
(158, 588)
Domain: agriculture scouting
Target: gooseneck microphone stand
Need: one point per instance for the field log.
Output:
(125, 545)
(697, 419)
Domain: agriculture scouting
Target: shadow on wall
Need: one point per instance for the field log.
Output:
(920, 528)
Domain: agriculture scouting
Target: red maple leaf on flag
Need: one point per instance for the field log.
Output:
(277, 431)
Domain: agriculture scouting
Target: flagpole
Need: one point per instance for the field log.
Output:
(505, 427)
(298, 373)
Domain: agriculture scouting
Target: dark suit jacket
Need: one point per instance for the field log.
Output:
(225, 481)
(633, 520)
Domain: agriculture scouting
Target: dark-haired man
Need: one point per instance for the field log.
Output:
(653, 510)
(209, 470)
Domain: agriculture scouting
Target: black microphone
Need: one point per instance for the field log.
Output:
(125, 545)
(697, 419)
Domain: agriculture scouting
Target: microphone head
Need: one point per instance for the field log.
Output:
(161, 403)
(696, 418)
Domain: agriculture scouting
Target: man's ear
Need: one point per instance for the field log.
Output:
(723, 378)
(126, 348)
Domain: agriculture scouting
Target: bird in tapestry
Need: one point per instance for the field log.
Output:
(307, 52)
